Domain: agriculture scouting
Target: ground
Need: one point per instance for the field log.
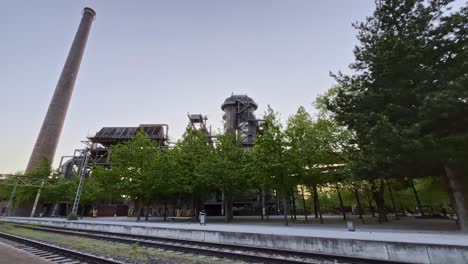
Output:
(12, 255)
(124, 252)
(431, 233)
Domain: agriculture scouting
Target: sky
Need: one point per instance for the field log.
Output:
(152, 62)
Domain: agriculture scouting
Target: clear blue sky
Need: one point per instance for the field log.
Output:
(155, 61)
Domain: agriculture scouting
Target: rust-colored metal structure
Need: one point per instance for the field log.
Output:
(49, 135)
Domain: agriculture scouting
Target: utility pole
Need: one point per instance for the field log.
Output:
(33, 211)
(10, 201)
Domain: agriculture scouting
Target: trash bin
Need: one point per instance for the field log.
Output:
(350, 225)
(202, 218)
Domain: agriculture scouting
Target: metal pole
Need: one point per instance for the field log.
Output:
(222, 203)
(10, 201)
(37, 198)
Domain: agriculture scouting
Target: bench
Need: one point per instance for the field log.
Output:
(174, 218)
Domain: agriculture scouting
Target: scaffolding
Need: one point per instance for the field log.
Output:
(98, 147)
(198, 122)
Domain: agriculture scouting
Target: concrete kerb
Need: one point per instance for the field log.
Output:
(370, 249)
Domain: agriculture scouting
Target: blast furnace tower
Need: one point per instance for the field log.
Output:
(49, 135)
(240, 118)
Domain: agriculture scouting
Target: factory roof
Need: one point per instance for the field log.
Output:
(242, 99)
(113, 135)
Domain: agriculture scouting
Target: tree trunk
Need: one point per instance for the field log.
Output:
(147, 213)
(223, 202)
(141, 212)
(293, 201)
(393, 201)
(290, 211)
(452, 204)
(165, 210)
(316, 201)
(277, 204)
(138, 214)
(343, 212)
(267, 212)
(378, 193)
(304, 202)
(193, 200)
(139, 207)
(358, 201)
(262, 203)
(286, 211)
(418, 201)
(227, 207)
(455, 176)
(317, 210)
(371, 206)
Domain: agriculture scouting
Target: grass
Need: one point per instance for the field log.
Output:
(132, 252)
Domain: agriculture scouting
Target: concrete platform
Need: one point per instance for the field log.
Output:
(405, 246)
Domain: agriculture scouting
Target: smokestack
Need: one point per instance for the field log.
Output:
(49, 135)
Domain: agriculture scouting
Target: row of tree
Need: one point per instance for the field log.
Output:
(406, 103)
(281, 160)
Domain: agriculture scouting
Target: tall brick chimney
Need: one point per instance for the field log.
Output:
(49, 135)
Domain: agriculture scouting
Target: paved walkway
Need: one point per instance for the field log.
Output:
(10, 255)
(333, 230)
(331, 222)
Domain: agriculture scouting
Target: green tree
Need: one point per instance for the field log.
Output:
(297, 131)
(406, 100)
(189, 153)
(26, 194)
(94, 190)
(165, 172)
(224, 169)
(273, 160)
(62, 190)
(133, 165)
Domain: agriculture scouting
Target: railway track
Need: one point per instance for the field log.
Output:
(53, 253)
(235, 252)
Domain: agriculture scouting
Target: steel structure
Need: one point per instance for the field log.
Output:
(20, 180)
(49, 135)
(97, 151)
(98, 147)
(198, 122)
(240, 118)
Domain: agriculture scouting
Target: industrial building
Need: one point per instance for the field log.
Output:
(239, 117)
(97, 147)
